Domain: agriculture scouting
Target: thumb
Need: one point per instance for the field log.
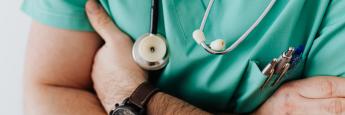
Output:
(321, 87)
(102, 23)
(323, 106)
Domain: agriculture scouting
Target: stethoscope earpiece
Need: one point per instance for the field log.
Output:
(216, 45)
(199, 36)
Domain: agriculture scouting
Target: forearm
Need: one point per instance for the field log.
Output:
(116, 75)
(119, 84)
(164, 104)
(159, 104)
(57, 72)
(56, 100)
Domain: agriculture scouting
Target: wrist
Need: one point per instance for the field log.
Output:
(137, 102)
(155, 106)
(125, 92)
(123, 85)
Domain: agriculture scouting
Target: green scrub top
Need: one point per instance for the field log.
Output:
(222, 83)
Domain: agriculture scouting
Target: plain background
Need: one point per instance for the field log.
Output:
(14, 26)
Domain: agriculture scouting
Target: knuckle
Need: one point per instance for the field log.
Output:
(286, 98)
(336, 107)
(327, 86)
(287, 103)
(288, 86)
(280, 91)
(283, 90)
(102, 20)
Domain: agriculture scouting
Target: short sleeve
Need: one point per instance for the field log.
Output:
(327, 54)
(64, 14)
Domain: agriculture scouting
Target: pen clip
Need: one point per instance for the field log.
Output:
(270, 68)
(278, 66)
(282, 74)
(269, 71)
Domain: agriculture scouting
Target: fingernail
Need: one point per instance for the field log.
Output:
(92, 7)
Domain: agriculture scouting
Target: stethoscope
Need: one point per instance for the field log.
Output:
(150, 51)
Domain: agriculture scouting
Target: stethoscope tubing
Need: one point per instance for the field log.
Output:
(154, 16)
(148, 64)
(239, 40)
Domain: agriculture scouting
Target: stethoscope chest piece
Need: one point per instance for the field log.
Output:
(150, 52)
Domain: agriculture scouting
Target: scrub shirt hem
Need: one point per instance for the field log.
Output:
(77, 22)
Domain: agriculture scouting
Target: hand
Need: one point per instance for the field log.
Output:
(312, 96)
(114, 70)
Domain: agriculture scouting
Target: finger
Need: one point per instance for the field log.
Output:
(102, 23)
(329, 106)
(321, 87)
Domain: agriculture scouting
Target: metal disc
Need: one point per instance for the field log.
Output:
(150, 52)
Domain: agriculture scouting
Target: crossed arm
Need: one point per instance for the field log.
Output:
(60, 75)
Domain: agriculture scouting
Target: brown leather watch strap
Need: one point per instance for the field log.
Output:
(142, 94)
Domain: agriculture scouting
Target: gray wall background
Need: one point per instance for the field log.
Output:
(14, 26)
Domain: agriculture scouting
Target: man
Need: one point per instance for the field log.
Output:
(58, 80)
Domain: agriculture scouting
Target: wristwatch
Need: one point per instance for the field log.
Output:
(136, 103)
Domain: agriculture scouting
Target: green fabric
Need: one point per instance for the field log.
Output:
(228, 82)
(65, 14)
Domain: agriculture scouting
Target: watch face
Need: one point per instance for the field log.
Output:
(124, 111)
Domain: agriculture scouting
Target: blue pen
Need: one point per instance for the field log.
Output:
(296, 57)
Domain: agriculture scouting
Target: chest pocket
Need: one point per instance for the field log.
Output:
(250, 95)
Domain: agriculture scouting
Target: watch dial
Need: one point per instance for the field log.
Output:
(124, 111)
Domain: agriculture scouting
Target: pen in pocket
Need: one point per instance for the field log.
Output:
(277, 68)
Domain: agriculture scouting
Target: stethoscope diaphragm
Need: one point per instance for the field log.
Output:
(150, 52)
